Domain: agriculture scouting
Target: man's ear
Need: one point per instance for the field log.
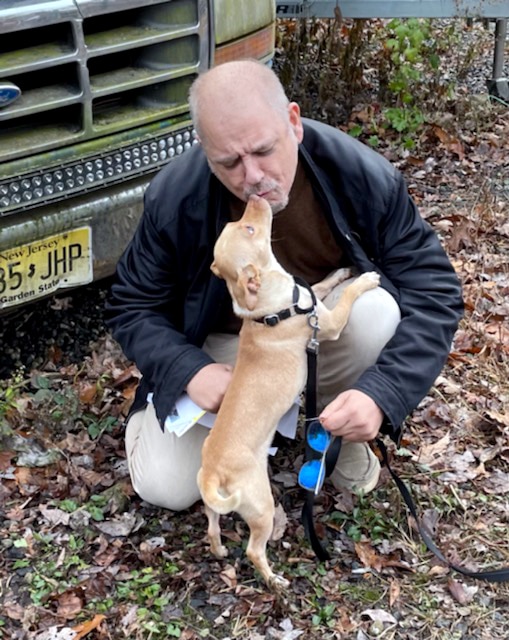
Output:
(295, 121)
(215, 270)
(246, 287)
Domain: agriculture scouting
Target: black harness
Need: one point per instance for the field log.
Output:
(272, 319)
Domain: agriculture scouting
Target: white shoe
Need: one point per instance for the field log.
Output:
(357, 468)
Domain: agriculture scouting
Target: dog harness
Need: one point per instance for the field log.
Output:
(272, 319)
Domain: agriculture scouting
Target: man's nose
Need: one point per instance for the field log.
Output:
(253, 173)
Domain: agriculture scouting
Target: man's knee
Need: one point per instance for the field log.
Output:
(162, 466)
(373, 320)
(372, 323)
(173, 495)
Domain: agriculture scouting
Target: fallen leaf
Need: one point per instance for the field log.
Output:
(54, 633)
(394, 592)
(433, 453)
(460, 592)
(13, 610)
(461, 468)
(55, 516)
(229, 576)
(280, 523)
(379, 615)
(497, 483)
(124, 525)
(86, 627)
(69, 605)
(286, 478)
(368, 556)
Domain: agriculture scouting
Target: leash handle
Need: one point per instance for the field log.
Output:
(497, 575)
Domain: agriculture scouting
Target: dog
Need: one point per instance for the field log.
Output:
(269, 373)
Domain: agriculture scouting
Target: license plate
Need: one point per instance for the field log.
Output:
(34, 270)
(289, 9)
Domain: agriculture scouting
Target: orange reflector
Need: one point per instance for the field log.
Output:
(257, 45)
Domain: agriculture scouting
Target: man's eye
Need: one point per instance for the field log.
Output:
(230, 164)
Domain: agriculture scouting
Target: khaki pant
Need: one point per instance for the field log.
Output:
(163, 467)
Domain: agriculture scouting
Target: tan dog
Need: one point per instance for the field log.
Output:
(269, 374)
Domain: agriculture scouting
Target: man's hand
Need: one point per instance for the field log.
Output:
(352, 415)
(207, 387)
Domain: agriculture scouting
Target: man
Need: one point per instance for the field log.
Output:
(336, 203)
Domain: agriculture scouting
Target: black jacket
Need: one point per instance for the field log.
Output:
(165, 298)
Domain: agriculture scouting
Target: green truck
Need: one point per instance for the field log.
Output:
(93, 102)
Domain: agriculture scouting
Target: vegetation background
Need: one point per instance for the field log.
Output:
(82, 556)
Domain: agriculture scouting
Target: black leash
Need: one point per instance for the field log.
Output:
(497, 575)
(332, 454)
(335, 447)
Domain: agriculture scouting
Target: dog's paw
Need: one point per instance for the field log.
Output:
(342, 274)
(369, 280)
(220, 551)
(278, 583)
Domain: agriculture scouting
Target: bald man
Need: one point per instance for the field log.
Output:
(336, 203)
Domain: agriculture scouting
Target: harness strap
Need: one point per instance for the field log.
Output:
(272, 319)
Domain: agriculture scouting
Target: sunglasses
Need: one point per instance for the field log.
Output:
(312, 472)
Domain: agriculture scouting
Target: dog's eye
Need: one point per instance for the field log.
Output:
(249, 229)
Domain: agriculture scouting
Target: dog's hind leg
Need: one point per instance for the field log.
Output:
(260, 519)
(333, 321)
(325, 286)
(214, 534)
(261, 528)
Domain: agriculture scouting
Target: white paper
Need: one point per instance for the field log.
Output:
(186, 413)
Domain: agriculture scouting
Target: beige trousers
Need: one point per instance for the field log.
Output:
(163, 467)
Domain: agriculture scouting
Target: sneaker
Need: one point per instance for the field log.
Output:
(357, 468)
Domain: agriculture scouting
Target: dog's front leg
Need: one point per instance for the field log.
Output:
(214, 534)
(333, 321)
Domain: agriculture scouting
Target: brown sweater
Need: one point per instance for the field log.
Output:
(301, 240)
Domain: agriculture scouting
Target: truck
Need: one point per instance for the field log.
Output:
(93, 102)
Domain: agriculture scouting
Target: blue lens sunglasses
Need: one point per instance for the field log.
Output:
(312, 472)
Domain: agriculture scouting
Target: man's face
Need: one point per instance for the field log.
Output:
(254, 150)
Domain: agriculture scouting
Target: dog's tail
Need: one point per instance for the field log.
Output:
(215, 496)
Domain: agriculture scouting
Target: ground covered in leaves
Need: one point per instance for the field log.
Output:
(82, 556)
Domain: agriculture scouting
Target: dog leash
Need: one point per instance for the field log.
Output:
(334, 449)
(312, 349)
(496, 575)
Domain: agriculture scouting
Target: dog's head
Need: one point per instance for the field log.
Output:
(243, 251)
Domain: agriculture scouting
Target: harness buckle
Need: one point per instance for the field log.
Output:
(313, 344)
(271, 320)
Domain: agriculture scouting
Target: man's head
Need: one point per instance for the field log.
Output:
(249, 130)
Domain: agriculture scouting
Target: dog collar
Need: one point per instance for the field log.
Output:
(273, 319)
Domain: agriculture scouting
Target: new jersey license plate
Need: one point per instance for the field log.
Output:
(33, 270)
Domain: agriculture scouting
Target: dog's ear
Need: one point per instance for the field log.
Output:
(246, 289)
(215, 270)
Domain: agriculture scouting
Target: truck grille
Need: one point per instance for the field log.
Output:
(93, 78)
